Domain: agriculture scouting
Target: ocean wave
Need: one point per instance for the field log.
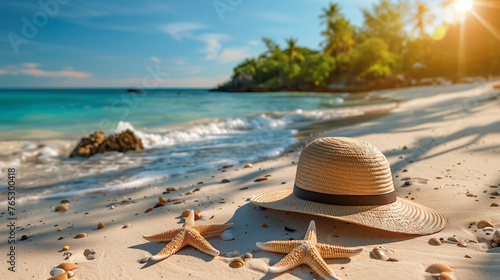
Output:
(47, 172)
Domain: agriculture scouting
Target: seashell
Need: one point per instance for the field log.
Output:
(260, 179)
(56, 271)
(438, 268)
(100, 225)
(62, 207)
(462, 243)
(379, 254)
(452, 238)
(435, 241)
(67, 266)
(162, 199)
(227, 235)
(197, 214)
(70, 274)
(248, 165)
(494, 244)
(237, 263)
(159, 204)
(445, 276)
(496, 236)
(65, 248)
(247, 255)
(484, 223)
(62, 276)
(149, 210)
(81, 235)
(143, 260)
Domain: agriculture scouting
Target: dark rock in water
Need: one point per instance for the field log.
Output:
(134, 90)
(98, 143)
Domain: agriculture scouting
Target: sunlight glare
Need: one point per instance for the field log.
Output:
(463, 6)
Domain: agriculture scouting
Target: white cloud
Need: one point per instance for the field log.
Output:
(31, 65)
(31, 69)
(181, 29)
(253, 42)
(137, 82)
(62, 73)
(155, 59)
(212, 41)
(179, 61)
(233, 54)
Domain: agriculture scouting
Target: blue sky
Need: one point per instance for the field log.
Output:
(188, 43)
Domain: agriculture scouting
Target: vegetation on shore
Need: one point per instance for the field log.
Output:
(392, 47)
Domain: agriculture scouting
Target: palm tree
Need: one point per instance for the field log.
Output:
(291, 48)
(330, 14)
(421, 19)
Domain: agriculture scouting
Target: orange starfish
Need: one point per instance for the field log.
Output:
(189, 234)
(307, 251)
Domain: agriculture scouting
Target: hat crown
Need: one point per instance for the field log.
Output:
(343, 166)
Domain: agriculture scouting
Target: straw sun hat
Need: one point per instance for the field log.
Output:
(350, 180)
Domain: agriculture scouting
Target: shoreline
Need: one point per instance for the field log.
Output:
(449, 139)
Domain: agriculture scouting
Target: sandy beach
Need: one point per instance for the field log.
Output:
(445, 140)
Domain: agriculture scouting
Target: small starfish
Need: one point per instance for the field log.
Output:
(189, 234)
(307, 251)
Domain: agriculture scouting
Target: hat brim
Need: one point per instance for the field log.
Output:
(400, 216)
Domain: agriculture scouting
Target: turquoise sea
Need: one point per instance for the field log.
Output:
(183, 130)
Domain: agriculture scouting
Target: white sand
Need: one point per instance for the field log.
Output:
(454, 135)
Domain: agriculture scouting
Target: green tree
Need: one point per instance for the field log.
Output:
(387, 21)
(339, 35)
(372, 59)
(421, 19)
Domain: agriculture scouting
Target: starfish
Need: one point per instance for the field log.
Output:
(189, 234)
(307, 251)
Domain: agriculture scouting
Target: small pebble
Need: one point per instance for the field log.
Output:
(81, 235)
(227, 235)
(264, 225)
(149, 210)
(159, 204)
(56, 271)
(435, 242)
(260, 179)
(162, 199)
(237, 263)
(143, 260)
(494, 204)
(24, 237)
(484, 223)
(65, 248)
(100, 225)
(225, 181)
(248, 165)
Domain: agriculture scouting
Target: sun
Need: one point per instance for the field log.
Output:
(462, 6)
